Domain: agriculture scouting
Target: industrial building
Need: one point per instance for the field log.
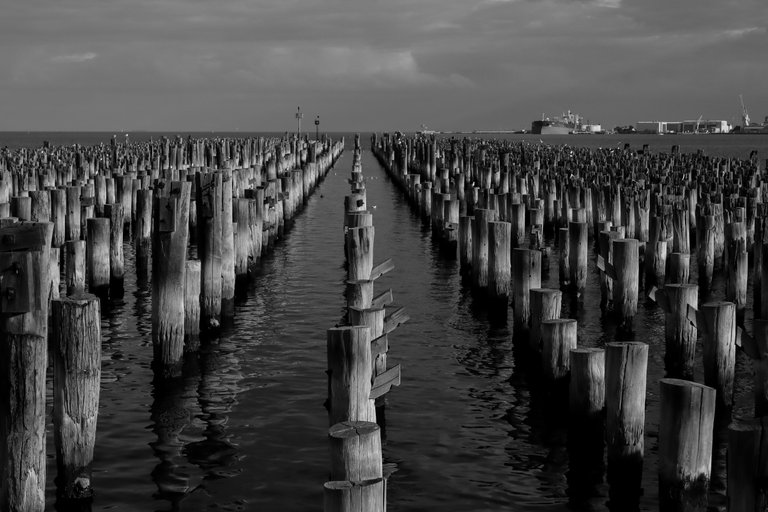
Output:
(691, 126)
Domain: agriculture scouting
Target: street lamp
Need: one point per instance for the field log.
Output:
(299, 115)
(317, 127)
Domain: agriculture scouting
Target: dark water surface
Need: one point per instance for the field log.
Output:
(245, 429)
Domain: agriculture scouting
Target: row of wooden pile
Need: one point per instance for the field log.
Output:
(357, 366)
(238, 196)
(607, 386)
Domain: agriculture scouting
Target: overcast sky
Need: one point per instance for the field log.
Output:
(376, 64)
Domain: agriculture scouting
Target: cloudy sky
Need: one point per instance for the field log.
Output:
(376, 64)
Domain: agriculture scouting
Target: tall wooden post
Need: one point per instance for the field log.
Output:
(24, 254)
(76, 350)
(169, 255)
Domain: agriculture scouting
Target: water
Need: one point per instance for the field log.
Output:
(245, 429)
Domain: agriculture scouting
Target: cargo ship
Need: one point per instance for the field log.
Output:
(562, 125)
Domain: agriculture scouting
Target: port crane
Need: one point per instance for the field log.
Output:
(745, 120)
(698, 122)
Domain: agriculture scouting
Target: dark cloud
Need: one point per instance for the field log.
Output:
(166, 64)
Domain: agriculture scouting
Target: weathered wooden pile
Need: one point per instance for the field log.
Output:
(358, 377)
(492, 202)
(235, 197)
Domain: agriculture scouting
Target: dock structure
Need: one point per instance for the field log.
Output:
(358, 377)
(73, 208)
(646, 216)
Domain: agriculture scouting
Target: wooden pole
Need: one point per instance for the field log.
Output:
(577, 255)
(679, 268)
(706, 252)
(626, 366)
(76, 350)
(209, 242)
(545, 305)
(349, 374)
(97, 256)
(626, 265)
(355, 451)
(465, 245)
(143, 232)
(526, 274)
(558, 338)
(480, 247)
(169, 251)
(716, 322)
(348, 496)
(23, 360)
(359, 242)
(192, 305)
(114, 212)
(747, 474)
(679, 333)
(499, 262)
(685, 445)
(75, 260)
(587, 387)
(227, 247)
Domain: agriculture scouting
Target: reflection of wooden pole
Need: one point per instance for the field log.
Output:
(76, 350)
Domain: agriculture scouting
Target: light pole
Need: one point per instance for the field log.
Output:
(317, 128)
(299, 115)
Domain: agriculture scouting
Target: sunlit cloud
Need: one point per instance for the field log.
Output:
(74, 58)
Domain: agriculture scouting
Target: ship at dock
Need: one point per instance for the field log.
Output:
(564, 124)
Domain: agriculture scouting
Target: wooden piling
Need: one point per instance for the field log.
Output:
(23, 360)
(587, 387)
(679, 333)
(355, 451)
(526, 274)
(76, 350)
(97, 256)
(169, 251)
(499, 262)
(209, 246)
(192, 283)
(75, 267)
(626, 367)
(558, 338)
(349, 374)
(577, 255)
(716, 321)
(626, 269)
(747, 474)
(545, 305)
(115, 214)
(480, 247)
(685, 445)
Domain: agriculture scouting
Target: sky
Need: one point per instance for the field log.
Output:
(199, 65)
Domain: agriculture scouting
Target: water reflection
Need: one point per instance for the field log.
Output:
(171, 414)
(220, 375)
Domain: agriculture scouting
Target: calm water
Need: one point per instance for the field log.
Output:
(245, 429)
